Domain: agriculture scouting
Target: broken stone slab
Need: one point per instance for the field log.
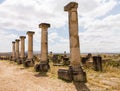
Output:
(55, 64)
(65, 74)
(66, 61)
(72, 75)
(97, 63)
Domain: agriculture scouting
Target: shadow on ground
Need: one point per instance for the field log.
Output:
(41, 74)
(81, 86)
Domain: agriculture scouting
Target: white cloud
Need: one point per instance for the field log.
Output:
(102, 35)
(102, 9)
(25, 15)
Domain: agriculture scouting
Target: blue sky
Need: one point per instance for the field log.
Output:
(1, 1)
(99, 24)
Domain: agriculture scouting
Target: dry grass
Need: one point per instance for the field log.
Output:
(107, 80)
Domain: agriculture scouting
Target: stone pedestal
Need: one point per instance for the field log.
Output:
(22, 53)
(29, 62)
(17, 49)
(72, 75)
(77, 72)
(65, 74)
(44, 62)
(42, 67)
(97, 63)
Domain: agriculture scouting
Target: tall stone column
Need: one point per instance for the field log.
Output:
(13, 51)
(75, 60)
(44, 65)
(44, 41)
(17, 49)
(29, 62)
(73, 34)
(75, 72)
(22, 53)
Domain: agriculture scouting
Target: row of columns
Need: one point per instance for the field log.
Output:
(44, 47)
(75, 68)
(15, 48)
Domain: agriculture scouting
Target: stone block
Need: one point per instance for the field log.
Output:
(79, 76)
(29, 63)
(42, 67)
(66, 61)
(97, 63)
(65, 74)
(72, 75)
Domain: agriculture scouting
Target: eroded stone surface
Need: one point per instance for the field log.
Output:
(13, 51)
(77, 73)
(22, 53)
(29, 61)
(17, 48)
(44, 62)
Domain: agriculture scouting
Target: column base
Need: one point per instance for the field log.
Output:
(43, 66)
(21, 60)
(77, 75)
(10, 59)
(65, 74)
(29, 63)
(14, 59)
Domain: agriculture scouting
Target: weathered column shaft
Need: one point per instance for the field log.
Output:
(75, 72)
(43, 66)
(44, 44)
(73, 34)
(22, 55)
(13, 50)
(17, 48)
(44, 41)
(30, 44)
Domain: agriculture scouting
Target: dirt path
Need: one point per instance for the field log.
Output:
(15, 78)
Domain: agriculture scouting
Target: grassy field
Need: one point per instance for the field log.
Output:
(107, 80)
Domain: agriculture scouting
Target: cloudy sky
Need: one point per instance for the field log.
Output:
(99, 24)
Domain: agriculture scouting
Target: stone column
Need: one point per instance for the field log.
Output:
(17, 49)
(44, 65)
(29, 62)
(22, 53)
(73, 34)
(44, 62)
(13, 51)
(76, 69)
(44, 41)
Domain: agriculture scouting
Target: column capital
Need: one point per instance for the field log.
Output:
(30, 32)
(22, 37)
(13, 42)
(44, 25)
(71, 5)
(17, 40)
